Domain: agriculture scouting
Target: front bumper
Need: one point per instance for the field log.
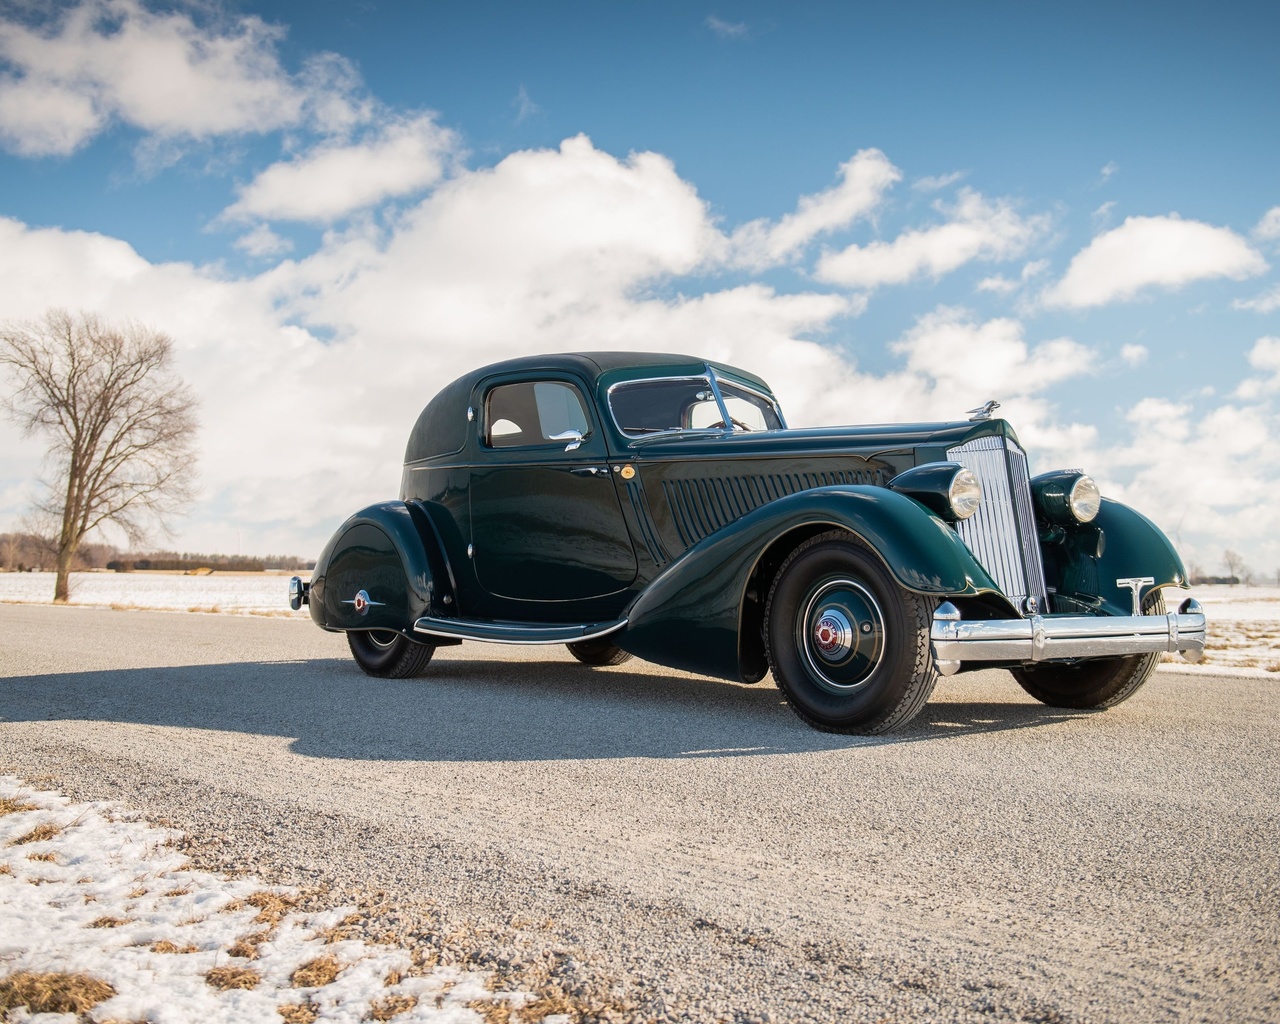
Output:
(1044, 637)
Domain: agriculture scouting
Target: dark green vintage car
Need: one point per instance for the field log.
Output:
(658, 505)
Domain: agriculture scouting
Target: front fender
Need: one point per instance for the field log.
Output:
(691, 615)
(388, 551)
(1132, 546)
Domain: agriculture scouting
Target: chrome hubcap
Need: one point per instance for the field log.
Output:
(842, 634)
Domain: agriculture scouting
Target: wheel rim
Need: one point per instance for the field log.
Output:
(842, 635)
(383, 638)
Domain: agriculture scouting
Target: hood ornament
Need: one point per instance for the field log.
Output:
(983, 412)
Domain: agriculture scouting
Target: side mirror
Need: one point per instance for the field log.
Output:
(574, 437)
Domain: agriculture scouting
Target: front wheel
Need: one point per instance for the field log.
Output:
(388, 655)
(1095, 682)
(847, 645)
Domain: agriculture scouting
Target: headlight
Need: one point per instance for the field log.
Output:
(1066, 497)
(946, 489)
(965, 494)
(1085, 499)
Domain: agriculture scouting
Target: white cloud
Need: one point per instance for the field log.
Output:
(1268, 228)
(864, 179)
(1150, 252)
(1101, 217)
(1108, 171)
(937, 182)
(999, 284)
(262, 242)
(1264, 356)
(727, 29)
(525, 107)
(1134, 355)
(403, 156)
(976, 228)
(1002, 285)
(1267, 302)
(161, 72)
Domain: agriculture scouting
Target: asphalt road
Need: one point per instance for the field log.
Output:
(686, 847)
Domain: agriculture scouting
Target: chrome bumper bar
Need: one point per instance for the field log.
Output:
(1041, 637)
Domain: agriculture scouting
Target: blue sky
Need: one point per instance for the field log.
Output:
(889, 210)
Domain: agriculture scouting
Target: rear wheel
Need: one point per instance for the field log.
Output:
(847, 645)
(388, 655)
(598, 653)
(1095, 682)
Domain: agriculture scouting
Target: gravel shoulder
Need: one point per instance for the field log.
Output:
(671, 847)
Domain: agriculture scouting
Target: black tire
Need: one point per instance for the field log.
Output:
(1093, 683)
(847, 646)
(598, 653)
(388, 655)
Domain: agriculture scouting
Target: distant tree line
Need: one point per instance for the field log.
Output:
(22, 552)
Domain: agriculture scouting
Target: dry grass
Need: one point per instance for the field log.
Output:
(5, 869)
(299, 1013)
(393, 977)
(178, 892)
(247, 945)
(165, 946)
(492, 1013)
(10, 806)
(272, 906)
(315, 973)
(137, 893)
(52, 992)
(108, 922)
(344, 929)
(233, 977)
(48, 858)
(39, 834)
(391, 1006)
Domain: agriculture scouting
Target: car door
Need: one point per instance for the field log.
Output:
(546, 524)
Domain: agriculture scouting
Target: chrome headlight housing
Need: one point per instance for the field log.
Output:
(964, 494)
(1066, 497)
(947, 489)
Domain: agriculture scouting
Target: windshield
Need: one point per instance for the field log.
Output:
(688, 403)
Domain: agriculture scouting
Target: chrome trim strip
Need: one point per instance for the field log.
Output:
(457, 629)
(1041, 638)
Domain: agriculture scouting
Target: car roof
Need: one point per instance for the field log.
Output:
(440, 429)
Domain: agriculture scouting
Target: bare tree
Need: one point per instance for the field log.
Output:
(119, 421)
(1234, 564)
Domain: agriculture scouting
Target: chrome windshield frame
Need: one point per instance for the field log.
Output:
(712, 381)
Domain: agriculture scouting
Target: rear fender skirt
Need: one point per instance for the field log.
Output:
(693, 615)
(387, 552)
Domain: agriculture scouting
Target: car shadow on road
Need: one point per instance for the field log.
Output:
(467, 709)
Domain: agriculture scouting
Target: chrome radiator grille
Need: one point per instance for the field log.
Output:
(1002, 533)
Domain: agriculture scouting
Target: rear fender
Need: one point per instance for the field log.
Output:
(704, 612)
(389, 552)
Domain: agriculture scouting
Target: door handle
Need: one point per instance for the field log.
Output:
(589, 470)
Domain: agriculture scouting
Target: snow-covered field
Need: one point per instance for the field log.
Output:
(254, 593)
(102, 908)
(1244, 622)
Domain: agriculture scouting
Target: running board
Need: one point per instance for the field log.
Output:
(515, 633)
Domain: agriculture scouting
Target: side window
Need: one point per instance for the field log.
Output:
(749, 411)
(537, 413)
